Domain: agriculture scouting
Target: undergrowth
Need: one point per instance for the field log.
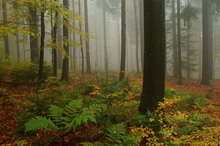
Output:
(96, 113)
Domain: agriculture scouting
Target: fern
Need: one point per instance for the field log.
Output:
(39, 123)
(85, 115)
(73, 107)
(56, 113)
(118, 136)
(68, 118)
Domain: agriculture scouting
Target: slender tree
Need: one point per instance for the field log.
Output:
(175, 73)
(6, 41)
(154, 55)
(136, 33)
(210, 38)
(33, 20)
(65, 68)
(205, 45)
(179, 45)
(142, 34)
(123, 40)
(42, 38)
(87, 41)
(105, 37)
(54, 41)
(74, 38)
(82, 53)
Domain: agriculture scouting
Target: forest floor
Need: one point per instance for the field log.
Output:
(9, 108)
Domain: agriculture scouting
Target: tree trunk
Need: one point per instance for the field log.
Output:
(74, 38)
(41, 61)
(6, 42)
(82, 53)
(142, 34)
(179, 45)
(33, 39)
(123, 40)
(210, 39)
(188, 68)
(154, 56)
(54, 41)
(65, 68)
(175, 73)
(105, 41)
(87, 41)
(205, 45)
(136, 28)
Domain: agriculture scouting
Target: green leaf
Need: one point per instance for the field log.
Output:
(39, 123)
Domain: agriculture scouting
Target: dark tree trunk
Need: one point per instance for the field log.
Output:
(82, 53)
(123, 40)
(205, 45)
(74, 38)
(65, 68)
(188, 68)
(41, 61)
(142, 34)
(87, 41)
(54, 38)
(179, 45)
(136, 28)
(175, 73)
(154, 55)
(6, 42)
(105, 39)
(34, 52)
(210, 39)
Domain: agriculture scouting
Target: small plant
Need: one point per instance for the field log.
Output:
(117, 135)
(71, 117)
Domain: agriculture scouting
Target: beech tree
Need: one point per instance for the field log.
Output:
(154, 55)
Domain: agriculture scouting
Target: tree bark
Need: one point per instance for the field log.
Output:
(136, 33)
(6, 41)
(82, 53)
(142, 34)
(54, 41)
(188, 68)
(175, 64)
(205, 45)
(123, 40)
(105, 39)
(33, 39)
(41, 61)
(180, 81)
(87, 41)
(154, 56)
(65, 68)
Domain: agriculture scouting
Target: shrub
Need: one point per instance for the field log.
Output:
(21, 71)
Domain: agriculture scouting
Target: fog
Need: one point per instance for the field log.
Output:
(113, 37)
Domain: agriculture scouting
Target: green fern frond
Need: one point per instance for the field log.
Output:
(97, 108)
(81, 119)
(56, 113)
(73, 107)
(39, 123)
